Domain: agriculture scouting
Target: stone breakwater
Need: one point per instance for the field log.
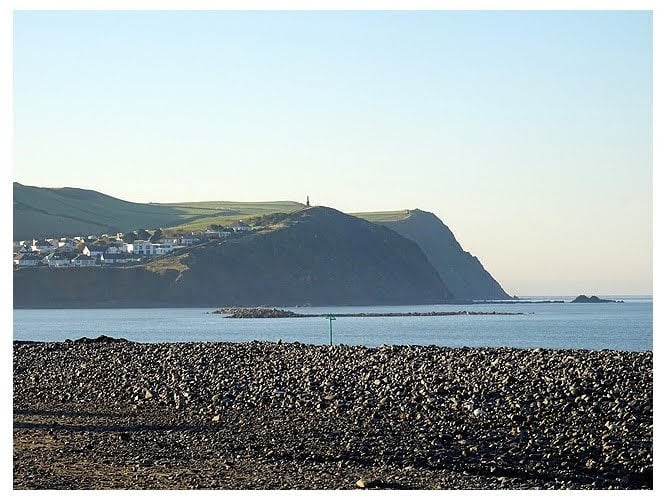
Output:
(266, 312)
(264, 415)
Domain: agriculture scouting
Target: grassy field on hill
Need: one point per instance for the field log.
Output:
(225, 213)
(45, 212)
(50, 212)
(231, 211)
(382, 216)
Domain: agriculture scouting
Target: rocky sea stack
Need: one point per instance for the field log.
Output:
(262, 415)
(584, 299)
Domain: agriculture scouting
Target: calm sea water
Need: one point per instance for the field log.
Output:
(623, 326)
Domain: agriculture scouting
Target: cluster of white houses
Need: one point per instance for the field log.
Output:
(108, 250)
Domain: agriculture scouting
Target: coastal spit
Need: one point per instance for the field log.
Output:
(110, 414)
(267, 312)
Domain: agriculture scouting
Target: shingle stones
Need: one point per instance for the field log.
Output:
(266, 415)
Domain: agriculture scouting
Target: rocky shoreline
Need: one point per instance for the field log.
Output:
(124, 415)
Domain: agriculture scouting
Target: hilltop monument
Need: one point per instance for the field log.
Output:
(307, 201)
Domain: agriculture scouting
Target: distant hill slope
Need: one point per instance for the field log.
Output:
(46, 212)
(315, 256)
(462, 273)
(43, 212)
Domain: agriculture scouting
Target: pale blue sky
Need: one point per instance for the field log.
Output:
(528, 133)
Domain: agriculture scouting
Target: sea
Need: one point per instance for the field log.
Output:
(623, 326)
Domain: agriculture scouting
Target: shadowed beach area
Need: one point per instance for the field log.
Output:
(112, 414)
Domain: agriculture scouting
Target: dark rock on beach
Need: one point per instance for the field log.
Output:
(101, 339)
(259, 415)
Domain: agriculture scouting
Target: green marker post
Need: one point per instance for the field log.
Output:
(330, 318)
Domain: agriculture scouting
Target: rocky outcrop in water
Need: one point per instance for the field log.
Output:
(584, 299)
(269, 416)
(264, 312)
(258, 312)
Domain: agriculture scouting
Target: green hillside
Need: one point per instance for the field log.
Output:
(382, 216)
(316, 256)
(45, 212)
(247, 210)
(224, 213)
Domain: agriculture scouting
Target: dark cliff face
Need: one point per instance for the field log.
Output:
(462, 273)
(91, 287)
(316, 256)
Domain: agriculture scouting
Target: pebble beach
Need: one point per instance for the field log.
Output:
(113, 414)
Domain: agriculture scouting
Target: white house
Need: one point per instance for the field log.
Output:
(118, 258)
(147, 248)
(241, 226)
(161, 250)
(115, 248)
(165, 248)
(218, 233)
(144, 247)
(168, 241)
(58, 260)
(42, 246)
(85, 250)
(189, 240)
(67, 244)
(84, 261)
